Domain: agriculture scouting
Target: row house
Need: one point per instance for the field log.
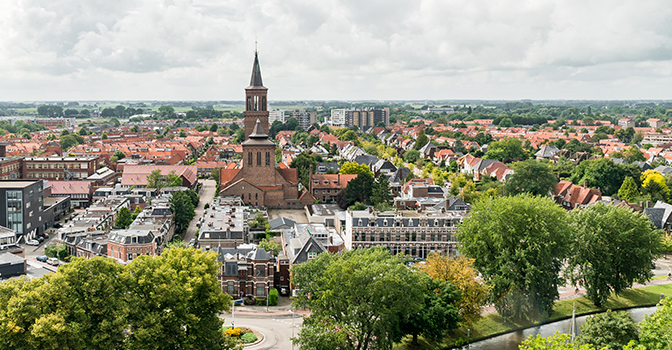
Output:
(246, 271)
(59, 168)
(416, 234)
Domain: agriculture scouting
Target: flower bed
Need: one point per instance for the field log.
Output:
(242, 334)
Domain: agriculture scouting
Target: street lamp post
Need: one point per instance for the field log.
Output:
(292, 328)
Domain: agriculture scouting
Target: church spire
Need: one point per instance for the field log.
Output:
(255, 80)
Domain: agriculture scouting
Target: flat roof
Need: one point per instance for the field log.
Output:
(16, 184)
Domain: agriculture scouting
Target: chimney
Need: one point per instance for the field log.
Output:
(648, 204)
(585, 183)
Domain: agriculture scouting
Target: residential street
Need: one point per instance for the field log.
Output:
(206, 195)
(277, 330)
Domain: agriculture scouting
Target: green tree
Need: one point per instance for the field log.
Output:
(167, 112)
(270, 246)
(628, 190)
(506, 150)
(460, 272)
(358, 189)
(104, 136)
(654, 185)
(124, 218)
(176, 299)
(67, 142)
(173, 180)
(155, 180)
(421, 141)
(603, 174)
(505, 123)
(115, 122)
(183, 210)
(634, 154)
(119, 154)
(531, 177)
(347, 135)
(438, 313)
(555, 342)
(518, 244)
(354, 168)
(302, 164)
(381, 194)
(411, 156)
(612, 329)
(625, 135)
(358, 300)
(135, 128)
(119, 111)
(183, 133)
(655, 329)
(611, 248)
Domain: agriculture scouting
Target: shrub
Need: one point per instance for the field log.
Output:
(249, 337)
(260, 301)
(206, 206)
(273, 297)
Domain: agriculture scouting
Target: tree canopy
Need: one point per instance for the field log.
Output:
(611, 248)
(518, 244)
(602, 173)
(161, 302)
(354, 168)
(612, 329)
(366, 299)
(506, 150)
(531, 177)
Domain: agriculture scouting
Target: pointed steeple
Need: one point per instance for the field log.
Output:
(258, 131)
(255, 80)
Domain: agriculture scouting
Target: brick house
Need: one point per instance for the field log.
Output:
(325, 187)
(572, 196)
(246, 271)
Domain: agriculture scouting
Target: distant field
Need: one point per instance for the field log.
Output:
(27, 110)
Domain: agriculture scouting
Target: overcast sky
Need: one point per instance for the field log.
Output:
(328, 49)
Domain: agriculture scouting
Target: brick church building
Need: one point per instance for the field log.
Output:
(257, 180)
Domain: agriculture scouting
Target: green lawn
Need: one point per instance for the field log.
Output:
(494, 324)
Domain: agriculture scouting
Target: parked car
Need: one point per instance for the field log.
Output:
(53, 261)
(40, 239)
(32, 242)
(284, 291)
(58, 225)
(42, 258)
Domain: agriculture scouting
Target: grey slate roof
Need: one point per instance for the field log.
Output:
(665, 170)
(547, 151)
(255, 79)
(278, 223)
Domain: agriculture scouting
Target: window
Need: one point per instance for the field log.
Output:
(230, 287)
(30, 215)
(312, 255)
(27, 205)
(261, 271)
(249, 158)
(268, 158)
(261, 290)
(258, 158)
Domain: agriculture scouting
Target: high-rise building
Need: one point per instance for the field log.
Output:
(362, 118)
(276, 114)
(305, 118)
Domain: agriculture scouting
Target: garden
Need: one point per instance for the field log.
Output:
(241, 334)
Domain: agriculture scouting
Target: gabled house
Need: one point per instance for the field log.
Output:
(572, 196)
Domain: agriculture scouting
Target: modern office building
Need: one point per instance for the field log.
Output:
(27, 209)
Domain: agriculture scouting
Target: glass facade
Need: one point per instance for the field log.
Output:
(15, 211)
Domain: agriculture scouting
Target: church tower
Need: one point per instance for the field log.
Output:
(255, 101)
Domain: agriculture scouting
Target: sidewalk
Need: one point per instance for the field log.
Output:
(571, 294)
(283, 309)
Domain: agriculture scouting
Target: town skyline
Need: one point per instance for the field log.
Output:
(141, 50)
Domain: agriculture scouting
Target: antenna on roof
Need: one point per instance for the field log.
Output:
(255, 44)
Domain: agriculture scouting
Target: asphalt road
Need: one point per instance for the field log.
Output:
(206, 194)
(277, 331)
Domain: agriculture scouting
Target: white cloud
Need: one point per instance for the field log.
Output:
(350, 49)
